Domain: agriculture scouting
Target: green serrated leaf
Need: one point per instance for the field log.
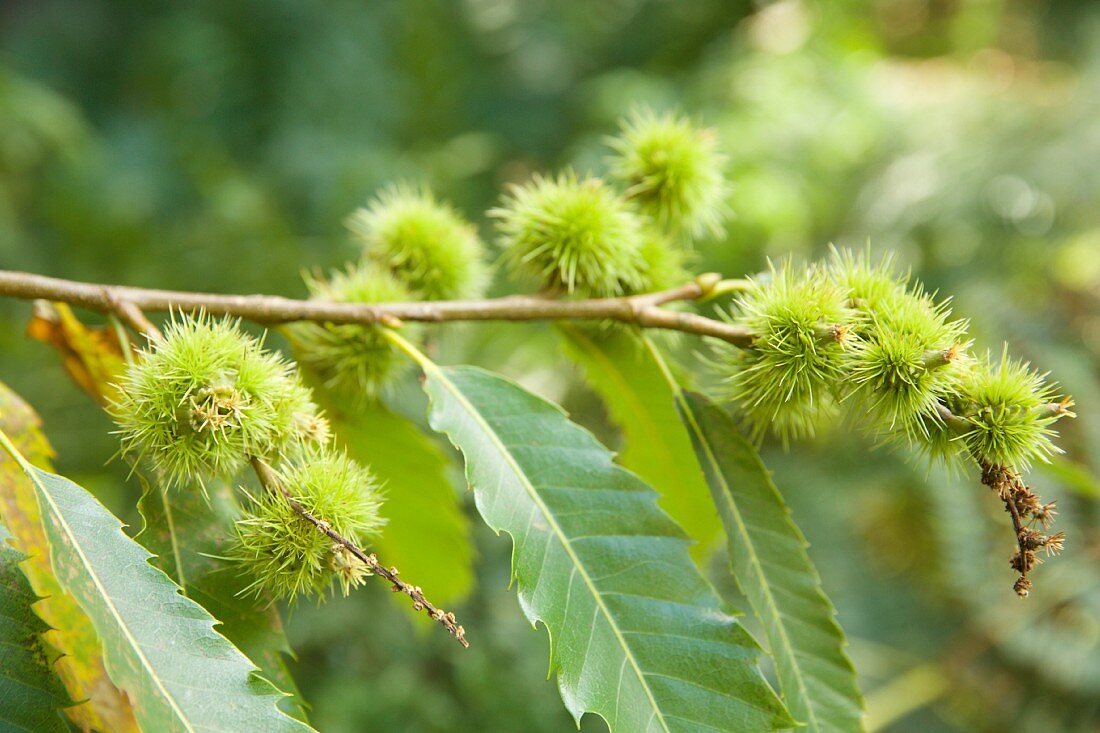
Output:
(427, 535)
(772, 568)
(31, 694)
(80, 667)
(641, 402)
(638, 636)
(160, 646)
(188, 533)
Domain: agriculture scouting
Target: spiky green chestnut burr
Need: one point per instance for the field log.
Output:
(938, 439)
(349, 361)
(308, 424)
(423, 242)
(206, 396)
(910, 355)
(1010, 410)
(572, 234)
(663, 264)
(899, 381)
(284, 553)
(673, 171)
(787, 380)
(870, 285)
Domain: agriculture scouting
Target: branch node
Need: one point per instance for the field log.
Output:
(130, 314)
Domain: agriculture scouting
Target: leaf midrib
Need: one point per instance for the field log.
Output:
(754, 559)
(552, 521)
(32, 473)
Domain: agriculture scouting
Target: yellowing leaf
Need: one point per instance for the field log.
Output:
(92, 356)
(72, 634)
(31, 695)
(159, 646)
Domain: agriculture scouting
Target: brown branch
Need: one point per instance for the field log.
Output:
(271, 482)
(641, 310)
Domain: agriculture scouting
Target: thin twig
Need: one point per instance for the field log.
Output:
(642, 310)
(271, 482)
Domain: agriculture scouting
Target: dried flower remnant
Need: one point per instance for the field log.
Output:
(1026, 510)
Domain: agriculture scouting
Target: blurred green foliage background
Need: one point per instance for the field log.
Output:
(218, 146)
